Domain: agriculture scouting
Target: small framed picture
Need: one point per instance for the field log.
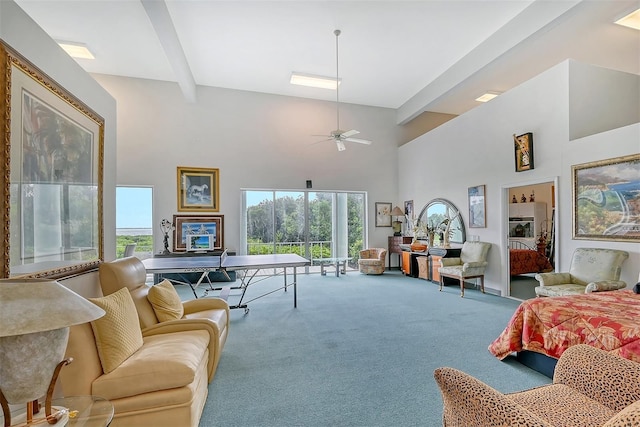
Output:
(408, 209)
(477, 206)
(200, 225)
(523, 149)
(198, 189)
(383, 214)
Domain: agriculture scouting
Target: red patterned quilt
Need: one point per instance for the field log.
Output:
(605, 320)
(523, 261)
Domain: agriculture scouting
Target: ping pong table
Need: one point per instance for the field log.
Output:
(245, 266)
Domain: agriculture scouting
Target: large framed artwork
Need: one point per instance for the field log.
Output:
(198, 189)
(51, 183)
(197, 225)
(383, 214)
(523, 150)
(477, 207)
(606, 200)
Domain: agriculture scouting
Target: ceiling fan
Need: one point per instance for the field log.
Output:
(339, 136)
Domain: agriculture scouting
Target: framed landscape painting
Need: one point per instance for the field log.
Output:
(198, 189)
(606, 199)
(205, 224)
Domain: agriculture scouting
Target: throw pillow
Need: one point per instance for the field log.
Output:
(165, 301)
(117, 333)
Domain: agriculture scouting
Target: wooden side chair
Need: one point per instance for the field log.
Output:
(469, 265)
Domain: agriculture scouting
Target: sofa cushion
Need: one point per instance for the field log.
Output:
(165, 361)
(117, 333)
(165, 301)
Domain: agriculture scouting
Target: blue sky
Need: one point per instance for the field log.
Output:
(134, 207)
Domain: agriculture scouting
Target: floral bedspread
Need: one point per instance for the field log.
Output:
(523, 261)
(605, 320)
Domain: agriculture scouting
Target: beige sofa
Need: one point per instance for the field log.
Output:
(163, 380)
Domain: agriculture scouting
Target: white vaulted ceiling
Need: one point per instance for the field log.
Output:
(413, 56)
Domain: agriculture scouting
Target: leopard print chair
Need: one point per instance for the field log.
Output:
(590, 388)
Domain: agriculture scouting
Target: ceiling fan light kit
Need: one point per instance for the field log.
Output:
(338, 135)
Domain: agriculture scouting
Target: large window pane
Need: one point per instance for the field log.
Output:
(134, 220)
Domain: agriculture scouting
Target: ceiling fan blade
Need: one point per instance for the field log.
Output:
(322, 140)
(340, 145)
(349, 133)
(359, 141)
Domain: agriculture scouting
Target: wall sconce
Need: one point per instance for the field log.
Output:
(34, 330)
(397, 223)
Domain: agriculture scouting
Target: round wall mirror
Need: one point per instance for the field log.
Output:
(436, 211)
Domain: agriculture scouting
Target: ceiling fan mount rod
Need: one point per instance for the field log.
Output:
(337, 33)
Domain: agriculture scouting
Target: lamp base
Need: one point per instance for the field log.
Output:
(59, 416)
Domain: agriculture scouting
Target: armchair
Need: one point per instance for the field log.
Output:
(590, 388)
(371, 261)
(469, 265)
(591, 270)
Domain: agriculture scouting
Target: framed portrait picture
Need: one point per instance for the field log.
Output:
(197, 225)
(606, 201)
(523, 149)
(477, 206)
(51, 185)
(198, 189)
(408, 209)
(383, 214)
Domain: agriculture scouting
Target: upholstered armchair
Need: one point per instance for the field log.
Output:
(591, 387)
(469, 265)
(371, 261)
(591, 270)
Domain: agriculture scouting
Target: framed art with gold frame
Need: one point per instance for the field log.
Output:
(198, 189)
(51, 184)
(523, 151)
(606, 202)
(204, 224)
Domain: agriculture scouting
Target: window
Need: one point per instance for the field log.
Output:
(313, 224)
(134, 220)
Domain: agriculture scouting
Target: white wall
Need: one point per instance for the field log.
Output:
(256, 140)
(20, 32)
(477, 148)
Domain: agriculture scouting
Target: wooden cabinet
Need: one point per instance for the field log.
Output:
(393, 247)
(406, 263)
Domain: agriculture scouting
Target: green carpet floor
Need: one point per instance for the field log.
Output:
(358, 351)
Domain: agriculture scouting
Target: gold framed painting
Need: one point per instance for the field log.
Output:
(198, 225)
(606, 201)
(52, 157)
(198, 189)
(523, 150)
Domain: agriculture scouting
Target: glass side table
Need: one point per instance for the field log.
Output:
(86, 411)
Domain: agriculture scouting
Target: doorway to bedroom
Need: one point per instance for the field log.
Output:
(531, 235)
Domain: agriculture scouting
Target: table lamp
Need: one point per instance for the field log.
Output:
(35, 315)
(397, 224)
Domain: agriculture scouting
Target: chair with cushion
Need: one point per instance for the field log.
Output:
(590, 387)
(159, 307)
(371, 261)
(469, 265)
(591, 270)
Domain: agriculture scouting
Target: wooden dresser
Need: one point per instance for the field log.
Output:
(393, 247)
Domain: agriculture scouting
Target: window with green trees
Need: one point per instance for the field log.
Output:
(313, 224)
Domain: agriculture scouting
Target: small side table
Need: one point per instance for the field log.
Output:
(86, 411)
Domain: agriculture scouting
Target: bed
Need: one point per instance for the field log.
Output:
(524, 259)
(605, 320)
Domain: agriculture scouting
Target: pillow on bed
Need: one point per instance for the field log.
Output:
(165, 301)
(117, 333)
